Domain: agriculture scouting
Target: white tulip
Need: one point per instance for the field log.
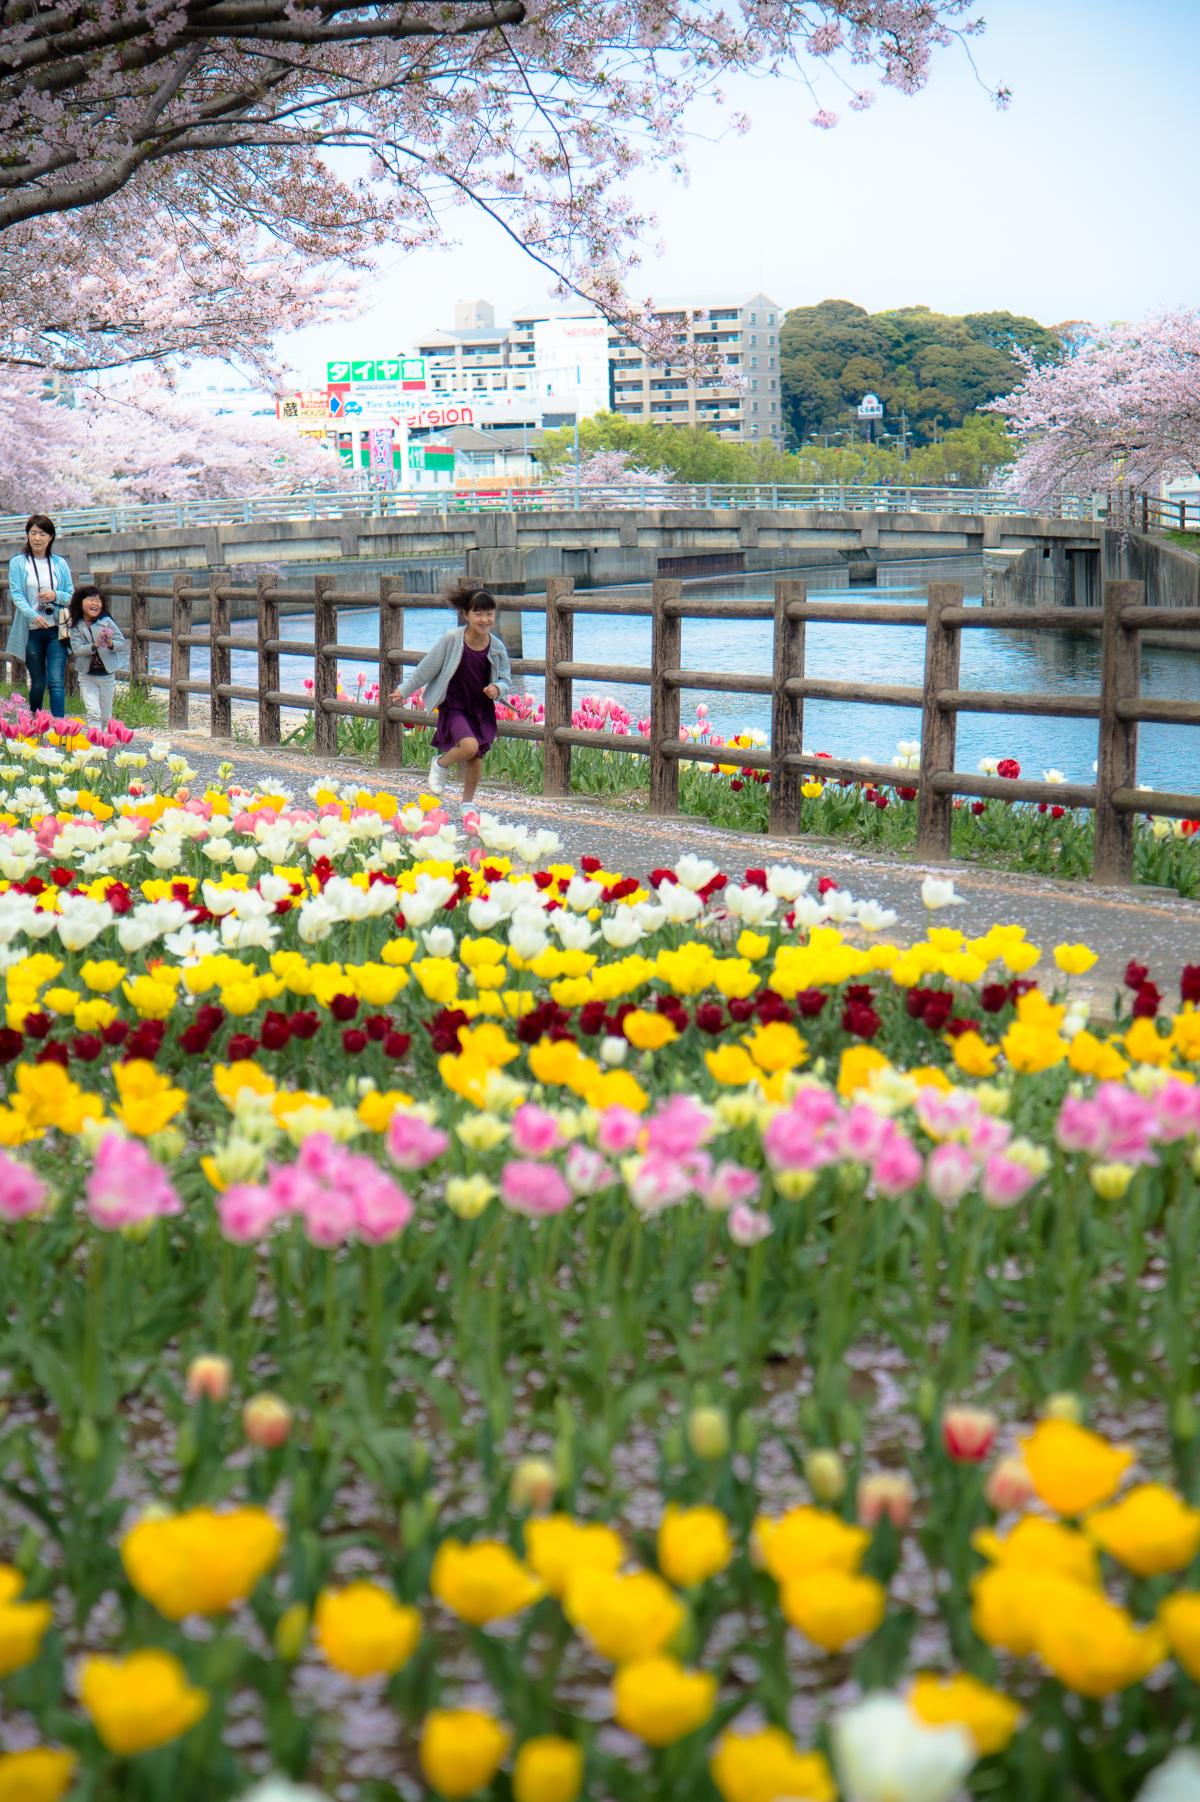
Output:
(810, 910)
(274, 888)
(613, 1050)
(873, 917)
(315, 922)
(484, 915)
(219, 900)
(217, 850)
(988, 766)
(753, 906)
(1176, 1780)
(438, 941)
(936, 892)
(679, 904)
(81, 920)
(622, 930)
(191, 943)
(695, 872)
(281, 1789)
(840, 906)
(1053, 776)
(258, 933)
(573, 933)
(245, 857)
(134, 934)
(582, 894)
(883, 1753)
(785, 883)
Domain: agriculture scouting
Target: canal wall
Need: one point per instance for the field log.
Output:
(1061, 575)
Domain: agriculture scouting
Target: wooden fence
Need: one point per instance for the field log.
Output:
(1137, 512)
(1118, 707)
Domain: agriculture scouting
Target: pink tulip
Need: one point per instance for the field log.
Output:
(413, 1143)
(898, 1168)
(535, 1190)
(658, 1182)
(587, 1171)
(22, 1194)
(1005, 1181)
(949, 1172)
(678, 1127)
(618, 1130)
(381, 1208)
(730, 1185)
(126, 1187)
(535, 1132)
(247, 1211)
(747, 1226)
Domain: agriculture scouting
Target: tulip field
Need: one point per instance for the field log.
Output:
(475, 1326)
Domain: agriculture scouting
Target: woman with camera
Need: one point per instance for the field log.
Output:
(39, 583)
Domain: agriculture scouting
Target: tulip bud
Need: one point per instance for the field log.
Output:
(209, 1375)
(794, 1185)
(1183, 1418)
(267, 1421)
(321, 1435)
(969, 1434)
(1008, 1486)
(85, 1446)
(1063, 1405)
(185, 1446)
(885, 1492)
(419, 1460)
(291, 1631)
(167, 1144)
(708, 1432)
(927, 1398)
(533, 1487)
(826, 1476)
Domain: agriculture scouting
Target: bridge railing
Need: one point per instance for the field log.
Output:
(563, 494)
(1118, 706)
(1152, 513)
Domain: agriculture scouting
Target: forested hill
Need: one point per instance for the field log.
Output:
(937, 367)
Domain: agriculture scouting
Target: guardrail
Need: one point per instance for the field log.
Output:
(562, 495)
(1151, 513)
(1118, 707)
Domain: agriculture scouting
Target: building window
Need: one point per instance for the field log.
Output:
(754, 362)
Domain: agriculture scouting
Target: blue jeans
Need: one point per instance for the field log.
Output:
(46, 661)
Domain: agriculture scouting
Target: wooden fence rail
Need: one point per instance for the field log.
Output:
(1118, 707)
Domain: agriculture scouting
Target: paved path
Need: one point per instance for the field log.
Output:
(1153, 926)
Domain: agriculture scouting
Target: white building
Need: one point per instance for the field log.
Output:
(547, 368)
(741, 399)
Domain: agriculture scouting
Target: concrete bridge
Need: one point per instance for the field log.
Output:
(1029, 560)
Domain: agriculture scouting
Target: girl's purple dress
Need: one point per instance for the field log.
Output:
(466, 712)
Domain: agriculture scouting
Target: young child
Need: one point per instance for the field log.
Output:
(463, 677)
(98, 647)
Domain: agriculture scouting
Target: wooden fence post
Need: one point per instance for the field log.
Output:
(267, 605)
(787, 711)
(939, 730)
(220, 658)
(1116, 764)
(1145, 513)
(666, 637)
(391, 638)
(560, 648)
(139, 622)
(325, 669)
(181, 651)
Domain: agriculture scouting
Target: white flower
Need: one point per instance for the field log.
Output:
(537, 847)
(622, 930)
(988, 766)
(613, 1050)
(527, 933)
(935, 893)
(315, 922)
(219, 900)
(81, 920)
(1177, 1780)
(785, 883)
(883, 1753)
(160, 750)
(840, 906)
(753, 906)
(244, 858)
(191, 943)
(164, 853)
(679, 904)
(274, 888)
(582, 894)
(695, 872)
(573, 933)
(281, 1789)
(241, 935)
(429, 896)
(909, 747)
(810, 910)
(218, 850)
(134, 933)
(1053, 776)
(438, 941)
(484, 915)
(872, 917)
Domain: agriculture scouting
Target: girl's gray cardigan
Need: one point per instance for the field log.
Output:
(83, 643)
(437, 667)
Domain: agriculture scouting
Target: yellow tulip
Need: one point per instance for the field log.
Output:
(857, 1066)
(1037, 1544)
(39, 1775)
(625, 1618)
(693, 1544)
(648, 1031)
(777, 1046)
(1179, 1616)
(1152, 1530)
(1095, 1648)
(363, 1631)
(730, 1065)
(200, 1562)
(139, 1702)
(765, 1766)
(557, 1547)
(962, 1701)
(807, 1539)
(548, 1769)
(1071, 1468)
(482, 1582)
(660, 1702)
(973, 1055)
(1010, 1600)
(23, 1625)
(831, 1607)
(149, 1101)
(461, 1750)
(1074, 960)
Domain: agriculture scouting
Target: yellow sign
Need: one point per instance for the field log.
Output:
(308, 409)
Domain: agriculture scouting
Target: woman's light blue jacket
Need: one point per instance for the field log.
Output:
(20, 573)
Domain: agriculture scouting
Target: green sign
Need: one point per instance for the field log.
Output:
(376, 369)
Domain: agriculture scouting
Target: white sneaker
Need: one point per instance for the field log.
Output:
(437, 777)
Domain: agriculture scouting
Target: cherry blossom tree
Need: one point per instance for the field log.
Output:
(137, 442)
(607, 469)
(167, 184)
(1121, 411)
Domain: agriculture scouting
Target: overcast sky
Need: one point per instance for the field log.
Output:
(1078, 202)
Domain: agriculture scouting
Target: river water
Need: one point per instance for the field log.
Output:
(1013, 661)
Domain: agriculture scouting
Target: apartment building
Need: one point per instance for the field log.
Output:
(741, 399)
(552, 366)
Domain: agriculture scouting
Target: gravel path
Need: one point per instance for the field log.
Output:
(1156, 927)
